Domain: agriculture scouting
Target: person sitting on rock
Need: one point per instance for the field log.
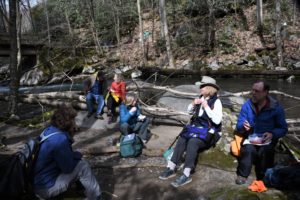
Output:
(116, 94)
(57, 165)
(131, 119)
(94, 88)
(261, 122)
(201, 133)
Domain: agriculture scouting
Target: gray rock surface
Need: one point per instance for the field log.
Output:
(32, 77)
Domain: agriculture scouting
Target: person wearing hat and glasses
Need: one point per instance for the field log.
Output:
(200, 134)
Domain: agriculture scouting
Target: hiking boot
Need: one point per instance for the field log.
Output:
(166, 174)
(240, 180)
(89, 115)
(181, 180)
(99, 116)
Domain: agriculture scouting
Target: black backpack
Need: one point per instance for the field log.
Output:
(16, 171)
(283, 177)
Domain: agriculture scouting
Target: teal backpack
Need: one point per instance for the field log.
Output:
(130, 146)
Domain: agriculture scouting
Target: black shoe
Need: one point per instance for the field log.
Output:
(240, 180)
(166, 174)
(89, 115)
(99, 116)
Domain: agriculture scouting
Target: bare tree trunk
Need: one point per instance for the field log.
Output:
(294, 13)
(166, 33)
(47, 20)
(4, 17)
(259, 11)
(153, 19)
(93, 27)
(278, 34)
(141, 32)
(235, 8)
(117, 22)
(212, 26)
(174, 14)
(160, 9)
(31, 18)
(14, 80)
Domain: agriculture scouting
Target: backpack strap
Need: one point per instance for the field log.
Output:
(43, 137)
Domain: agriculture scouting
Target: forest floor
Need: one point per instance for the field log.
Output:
(236, 39)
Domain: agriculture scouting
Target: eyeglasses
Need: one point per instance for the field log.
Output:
(257, 91)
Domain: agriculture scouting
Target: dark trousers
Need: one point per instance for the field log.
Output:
(139, 128)
(112, 104)
(192, 147)
(261, 156)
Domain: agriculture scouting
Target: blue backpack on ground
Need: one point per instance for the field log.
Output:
(130, 146)
(16, 171)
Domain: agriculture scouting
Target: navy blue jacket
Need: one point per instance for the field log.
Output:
(55, 157)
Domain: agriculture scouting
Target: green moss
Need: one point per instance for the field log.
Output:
(251, 58)
(36, 122)
(231, 67)
(241, 193)
(215, 157)
(258, 66)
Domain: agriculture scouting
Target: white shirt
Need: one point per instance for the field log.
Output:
(214, 114)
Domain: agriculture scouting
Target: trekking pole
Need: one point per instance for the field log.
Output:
(184, 124)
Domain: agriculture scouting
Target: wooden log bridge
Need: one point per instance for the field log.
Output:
(28, 46)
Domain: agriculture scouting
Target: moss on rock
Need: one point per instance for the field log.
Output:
(217, 158)
(242, 193)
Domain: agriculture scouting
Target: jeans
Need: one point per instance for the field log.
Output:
(90, 97)
(261, 156)
(192, 147)
(81, 172)
(139, 128)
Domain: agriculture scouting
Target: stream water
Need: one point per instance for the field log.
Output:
(292, 107)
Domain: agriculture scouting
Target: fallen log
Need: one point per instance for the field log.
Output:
(182, 72)
(244, 93)
(57, 95)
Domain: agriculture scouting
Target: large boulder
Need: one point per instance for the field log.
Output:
(4, 69)
(180, 103)
(230, 103)
(32, 77)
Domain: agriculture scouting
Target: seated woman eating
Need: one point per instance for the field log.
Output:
(131, 119)
(202, 132)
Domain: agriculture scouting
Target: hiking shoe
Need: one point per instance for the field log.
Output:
(240, 180)
(109, 113)
(89, 115)
(99, 116)
(181, 180)
(166, 174)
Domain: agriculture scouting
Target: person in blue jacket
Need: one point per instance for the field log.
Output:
(57, 165)
(95, 88)
(131, 119)
(261, 122)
